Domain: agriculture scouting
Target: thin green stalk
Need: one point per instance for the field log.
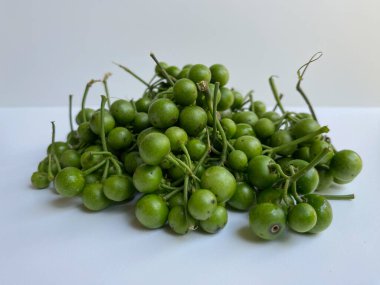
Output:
(105, 84)
(275, 94)
(312, 163)
(162, 69)
(300, 73)
(54, 156)
(214, 109)
(95, 167)
(116, 165)
(71, 112)
(307, 137)
(132, 73)
(276, 106)
(339, 197)
(105, 171)
(171, 194)
(102, 130)
(84, 97)
(294, 186)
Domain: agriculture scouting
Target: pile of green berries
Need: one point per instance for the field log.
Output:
(190, 148)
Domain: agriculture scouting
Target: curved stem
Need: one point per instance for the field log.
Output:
(105, 84)
(171, 194)
(84, 97)
(275, 94)
(185, 195)
(162, 69)
(300, 73)
(105, 171)
(95, 167)
(182, 165)
(280, 171)
(54, 156)
(102, 131)
(307, 137)
(116, 165)
(339, 197)
(71, 112)
(276, 106)
(50, 173)
(285, 193)
(214, 107)
(313, 163)
(133, 74)
(294, 186)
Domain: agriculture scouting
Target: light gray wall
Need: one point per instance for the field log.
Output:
(49, 49)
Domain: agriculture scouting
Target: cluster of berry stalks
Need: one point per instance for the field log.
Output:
(191, 147)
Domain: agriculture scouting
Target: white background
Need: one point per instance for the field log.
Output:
(49, 49)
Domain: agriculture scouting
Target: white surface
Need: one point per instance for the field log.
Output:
(52, 48)
(46, 239)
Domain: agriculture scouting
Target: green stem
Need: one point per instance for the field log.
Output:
(50, 173)
(300, 73)
(105, 171)
(182, 165)
(95, 167)
(187, 155)
(307, 137)
(214, 107)
(162, 69)
(132, 73)
(116, 165)
(171, 194)
(101, 153)
(224, 139)
(294, 186)
(84, 97)
(102, 130)
(105, 84)
(339, 197)
(280, 171)
(275, 93)
(54, 156)
(185, 195)
(312, 163)
(276, 106)
(71, 112)
(285, 193)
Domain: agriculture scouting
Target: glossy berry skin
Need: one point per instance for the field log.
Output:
(199, 72)
(281, 137)
(119, 138)
(246, 117)
(317, 147)
(259, 108)
(185, 92)
(178, 222)
(147, 178)
(88, 159)
(95, 122)
(163, 113)
(216, 221)
(196, 148)
(193, 119)
(131, 161)
(238, 100)
(93, 197)
(141, 122)
(123, 112)
(184, 73)
(273, 116)
(40, 180)
(173, 71)
(177, 137)
(345, 165)
(142, 104)
(251, 146)
(324, 212)
(69, 182)
(237, 160)
(145, 132)
(219, 73)
(308, 183)
(264, 128)
(219, 181)
(302, 218)
(229, 127)
(260, 173)
(226, 99)
(59, 148)
(202, 203)
(243, 129)
(154, 148)
(85, 134)
(267, 221)
(88, 114)
(118, 188)
(151, 211)
(304, 127)
(243, 198)
(70, 157)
